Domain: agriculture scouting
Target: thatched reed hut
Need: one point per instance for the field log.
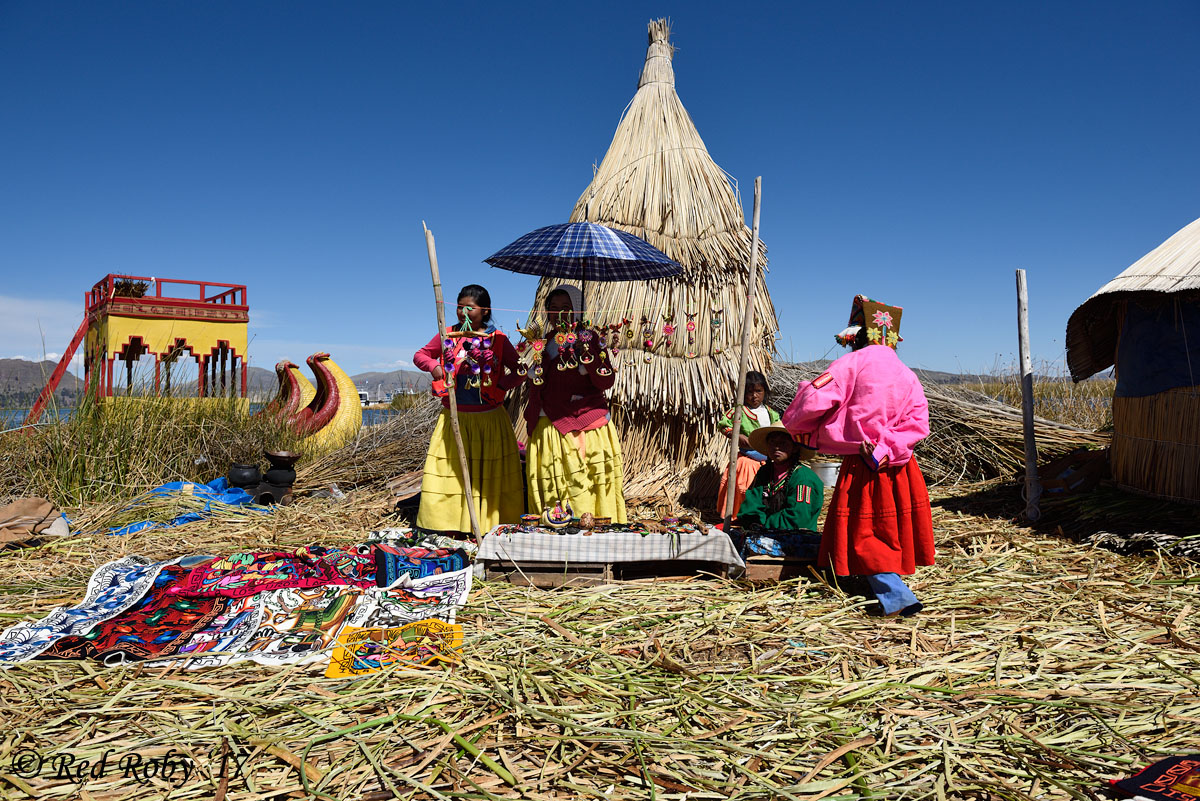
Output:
(658, 182)
(1146, 322)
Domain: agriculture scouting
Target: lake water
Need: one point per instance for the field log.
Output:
(13, 418)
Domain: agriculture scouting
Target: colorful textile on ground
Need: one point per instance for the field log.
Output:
(216, 491)
(587, 473)
(392, 562)
(1172, 779)
(878, 522)
(495, 467)
(155, 626)
(252, 572)
(227, 633)
(300, 625)
(793, 544)
(418, 538)
(361, 651)
(112, 589)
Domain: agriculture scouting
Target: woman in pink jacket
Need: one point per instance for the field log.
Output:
(871, 409)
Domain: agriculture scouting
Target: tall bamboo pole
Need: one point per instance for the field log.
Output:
(451, 383)
(1033, 488)
(747, 328)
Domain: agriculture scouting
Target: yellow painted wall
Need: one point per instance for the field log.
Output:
(114, 332)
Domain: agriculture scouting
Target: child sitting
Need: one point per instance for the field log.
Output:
(754, 415)
(785, 498)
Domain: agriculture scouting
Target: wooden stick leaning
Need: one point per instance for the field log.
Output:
(740, 396)
(452, 384)
(1033, 489)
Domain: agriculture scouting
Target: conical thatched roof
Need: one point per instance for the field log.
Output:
(657, 181)
(1171, 269)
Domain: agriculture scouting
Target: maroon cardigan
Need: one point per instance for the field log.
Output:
(572, 400)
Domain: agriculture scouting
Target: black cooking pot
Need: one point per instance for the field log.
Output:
(244, 476)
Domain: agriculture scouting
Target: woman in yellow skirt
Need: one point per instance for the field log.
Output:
(573, 453)
(484, 366)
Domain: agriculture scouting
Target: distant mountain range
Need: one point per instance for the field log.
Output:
(21, 381)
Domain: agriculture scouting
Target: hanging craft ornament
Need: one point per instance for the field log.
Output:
(716, 321)
(585, 341)
(604, 369)
(535, 370)
(690, 325)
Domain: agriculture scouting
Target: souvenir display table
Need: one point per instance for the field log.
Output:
(548, 557)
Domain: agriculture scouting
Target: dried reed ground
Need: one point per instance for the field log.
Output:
(1040, 669)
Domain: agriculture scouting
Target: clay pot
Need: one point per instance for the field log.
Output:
(281, 473)
(244, 476)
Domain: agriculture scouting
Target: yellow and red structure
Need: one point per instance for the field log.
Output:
(128, 316)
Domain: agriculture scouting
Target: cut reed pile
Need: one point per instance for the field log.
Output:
(972, 437)
(1039, 670)
(379, 452)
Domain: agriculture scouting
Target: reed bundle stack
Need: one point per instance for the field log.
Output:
(1146, 323)
(658, 182)
(972, 437)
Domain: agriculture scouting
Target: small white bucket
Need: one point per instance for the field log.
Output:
(827, 472)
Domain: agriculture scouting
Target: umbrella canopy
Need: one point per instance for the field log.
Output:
(584, 251)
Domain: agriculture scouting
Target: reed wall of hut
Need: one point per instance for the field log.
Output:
(658, 182)
(1156, 404)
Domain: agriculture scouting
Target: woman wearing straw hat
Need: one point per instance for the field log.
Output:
(870, 408)
(573, 453)
(786, 494)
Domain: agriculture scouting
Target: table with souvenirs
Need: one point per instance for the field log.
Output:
(594, 551)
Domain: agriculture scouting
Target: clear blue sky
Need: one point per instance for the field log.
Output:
(918, 152)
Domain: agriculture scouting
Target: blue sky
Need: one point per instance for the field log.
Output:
(918, 152)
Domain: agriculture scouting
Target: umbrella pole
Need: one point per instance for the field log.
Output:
(453, 383)
(747, 326)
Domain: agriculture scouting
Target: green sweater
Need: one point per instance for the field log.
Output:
(749, 421)
(792, 504)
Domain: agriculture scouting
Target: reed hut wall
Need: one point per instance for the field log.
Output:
(658, 182)
(1156, 444)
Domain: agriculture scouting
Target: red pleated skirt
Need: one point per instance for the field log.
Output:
(878, 522)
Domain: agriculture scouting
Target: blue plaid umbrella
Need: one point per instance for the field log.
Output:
(584, 251)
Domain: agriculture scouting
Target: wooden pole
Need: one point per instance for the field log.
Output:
(747, 328)
(1033, 489)
(451, 383)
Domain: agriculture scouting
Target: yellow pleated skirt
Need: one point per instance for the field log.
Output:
(593, 481)
(495, 467)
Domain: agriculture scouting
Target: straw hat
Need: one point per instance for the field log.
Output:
(758, 440)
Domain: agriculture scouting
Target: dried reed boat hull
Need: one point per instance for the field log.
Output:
(334, 415)
(295, 391)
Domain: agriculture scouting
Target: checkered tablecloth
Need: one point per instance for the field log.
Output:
(608, 547)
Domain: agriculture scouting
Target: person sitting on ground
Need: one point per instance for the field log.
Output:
(786, 494)
(754, 415)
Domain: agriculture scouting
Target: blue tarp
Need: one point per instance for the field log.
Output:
(216, 491)
(1159, 348)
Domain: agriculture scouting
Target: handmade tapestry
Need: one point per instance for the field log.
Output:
(252, 572)
(112, 589)
(300, 625)
(392, 562)
(423, 642)
(155, 626)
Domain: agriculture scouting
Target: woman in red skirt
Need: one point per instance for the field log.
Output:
(871, 409)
